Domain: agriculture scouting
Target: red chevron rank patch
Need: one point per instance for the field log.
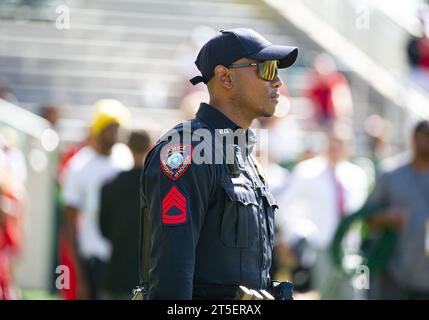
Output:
(175, 160)
(174, 207)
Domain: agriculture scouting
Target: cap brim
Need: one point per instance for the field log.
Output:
(286, 55)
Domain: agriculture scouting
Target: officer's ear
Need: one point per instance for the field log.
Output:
(223, 76)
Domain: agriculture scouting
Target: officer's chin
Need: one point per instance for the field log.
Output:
(271, 108)
(269, 113)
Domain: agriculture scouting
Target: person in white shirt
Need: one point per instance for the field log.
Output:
(322, 190)
(14, 159)
(88, 170)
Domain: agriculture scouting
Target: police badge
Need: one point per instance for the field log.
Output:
(175, 160)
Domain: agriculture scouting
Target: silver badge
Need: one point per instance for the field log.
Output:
(175, 160)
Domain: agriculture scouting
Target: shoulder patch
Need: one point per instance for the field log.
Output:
(175, 160)
(174, 207)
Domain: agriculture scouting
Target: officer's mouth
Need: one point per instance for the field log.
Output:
(275, 96)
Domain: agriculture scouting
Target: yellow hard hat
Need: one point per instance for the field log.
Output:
(107, 112)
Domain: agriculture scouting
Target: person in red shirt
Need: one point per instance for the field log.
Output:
(328, 92)
(10, 234)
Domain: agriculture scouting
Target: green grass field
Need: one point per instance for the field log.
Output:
(31, 294)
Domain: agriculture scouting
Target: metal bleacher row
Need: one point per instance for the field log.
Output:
(113, 48)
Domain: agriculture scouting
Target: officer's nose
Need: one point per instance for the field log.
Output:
(277, 82)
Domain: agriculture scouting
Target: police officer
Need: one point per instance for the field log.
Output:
(208, 218)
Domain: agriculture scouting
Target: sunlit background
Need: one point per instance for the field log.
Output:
(57, 58)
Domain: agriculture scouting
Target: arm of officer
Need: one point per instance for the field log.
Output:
(177, 200)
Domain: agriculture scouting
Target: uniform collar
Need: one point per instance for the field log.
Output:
(214, 118)
(219, 121)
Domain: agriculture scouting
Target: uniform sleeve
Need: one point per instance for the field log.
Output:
(176, 195)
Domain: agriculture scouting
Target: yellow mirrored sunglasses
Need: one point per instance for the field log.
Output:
(267, 70)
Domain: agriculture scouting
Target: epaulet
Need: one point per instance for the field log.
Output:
(187, 127)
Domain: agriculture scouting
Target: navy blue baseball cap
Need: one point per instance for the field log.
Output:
(230, 45)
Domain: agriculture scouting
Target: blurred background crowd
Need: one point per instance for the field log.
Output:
(87, 87)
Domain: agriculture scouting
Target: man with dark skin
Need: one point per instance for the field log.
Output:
(209, 227)
(87, 171)
(102, 144)
(404, 192)
(394, 217)
(241, 95)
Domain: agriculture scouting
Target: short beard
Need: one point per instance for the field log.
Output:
(267, 114)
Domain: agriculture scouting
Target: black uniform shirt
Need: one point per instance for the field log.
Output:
(210, 227)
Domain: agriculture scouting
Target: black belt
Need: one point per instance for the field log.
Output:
(214, 292)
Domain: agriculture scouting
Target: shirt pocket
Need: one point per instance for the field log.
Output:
(239, 225)
(271, 208)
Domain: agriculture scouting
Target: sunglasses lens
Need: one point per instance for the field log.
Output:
(268, 70)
